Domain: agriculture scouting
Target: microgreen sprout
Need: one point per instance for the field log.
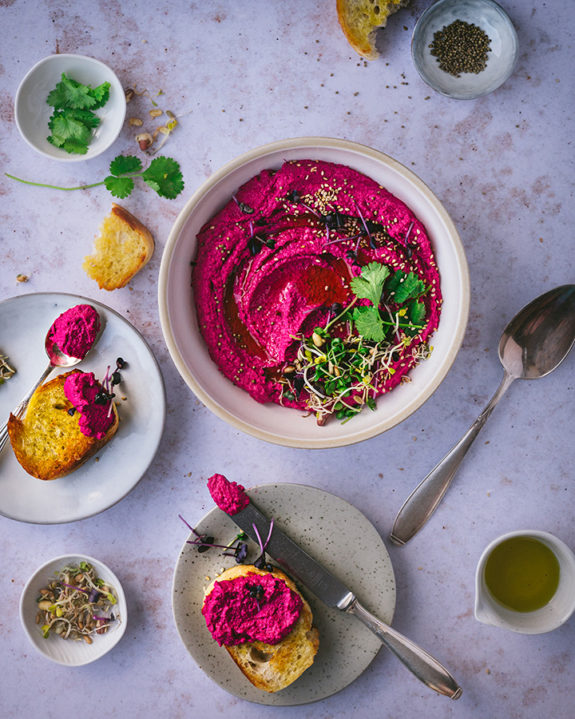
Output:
(204, 542)
(260, 562)
(342, 365)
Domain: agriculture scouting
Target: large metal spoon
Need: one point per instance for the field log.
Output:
(56, 358)
(533, 344)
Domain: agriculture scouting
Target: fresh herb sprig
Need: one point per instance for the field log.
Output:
(341, 364)
(73, 119)
(163, 175)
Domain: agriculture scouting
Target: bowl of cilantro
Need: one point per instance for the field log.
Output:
(70, 107)
(302, 284)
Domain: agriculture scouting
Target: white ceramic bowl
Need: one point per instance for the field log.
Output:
(32, 112)
(493, 20)
(68, 652)
(269, 421)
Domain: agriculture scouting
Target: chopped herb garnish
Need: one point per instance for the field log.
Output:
(341, 364)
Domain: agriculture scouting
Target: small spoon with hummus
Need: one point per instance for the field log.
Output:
(533, 344)
(71, 336)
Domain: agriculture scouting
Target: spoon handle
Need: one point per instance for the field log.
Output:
(18, 411)
(425, 498)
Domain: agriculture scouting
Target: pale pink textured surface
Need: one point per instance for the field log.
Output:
(245, 74)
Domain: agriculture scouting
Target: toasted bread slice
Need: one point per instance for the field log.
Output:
(123, 247)
(360, 20)
(48, 441)
(272, 667)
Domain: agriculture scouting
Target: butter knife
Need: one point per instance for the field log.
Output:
(327, 588)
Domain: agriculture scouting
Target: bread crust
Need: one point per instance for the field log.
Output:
(272, 667)
(360, 20)
(123, 247)
(47, 441)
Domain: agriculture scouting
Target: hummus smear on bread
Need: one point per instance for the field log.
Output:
(278, 288)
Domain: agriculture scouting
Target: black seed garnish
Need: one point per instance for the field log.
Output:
(121, 363)
(336, 308)
(293, 196)
(116, 378)
(246, 209)
(256, 591)
(351, 255)
(71, 411)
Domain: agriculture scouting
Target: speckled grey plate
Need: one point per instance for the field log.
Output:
(327, 527)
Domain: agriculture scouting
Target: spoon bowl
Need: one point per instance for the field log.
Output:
(56, 358)
(532, 345)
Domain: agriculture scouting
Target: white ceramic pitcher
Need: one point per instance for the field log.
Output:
(559, 608)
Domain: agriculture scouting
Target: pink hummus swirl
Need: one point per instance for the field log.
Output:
(229, 496)
(75, 330)
(81, 389)
(252, 607)
(277, 261)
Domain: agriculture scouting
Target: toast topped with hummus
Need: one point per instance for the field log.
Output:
(264, 623)
(67, 421)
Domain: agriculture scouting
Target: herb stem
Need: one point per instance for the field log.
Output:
(53, 187)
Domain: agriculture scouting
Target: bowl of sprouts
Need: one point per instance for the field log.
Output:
(73, 609)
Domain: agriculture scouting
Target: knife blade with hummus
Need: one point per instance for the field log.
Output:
(316, 289)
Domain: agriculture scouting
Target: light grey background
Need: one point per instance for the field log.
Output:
(247, 73)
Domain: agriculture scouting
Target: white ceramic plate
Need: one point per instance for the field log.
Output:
(269, 421)
(32, 112)
(68, 652)
(333, 532)
(105, 479)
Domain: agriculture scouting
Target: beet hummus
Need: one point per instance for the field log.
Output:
(75, 330)
(277, 302)
(86, 394)
(229, 496)
(252, 607)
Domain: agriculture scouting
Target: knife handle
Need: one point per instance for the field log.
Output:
(417, 660)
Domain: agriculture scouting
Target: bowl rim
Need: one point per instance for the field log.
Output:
(436, 7)
(62, 560)
(81, 58)
(290, 144)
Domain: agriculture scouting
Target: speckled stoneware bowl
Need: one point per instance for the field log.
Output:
(269, 421)
(328, 528)
(64, 651)
(501, 59)
(32, 112)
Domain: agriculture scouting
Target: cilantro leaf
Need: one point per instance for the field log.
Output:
(75, 147)
(416, 312)
(65, 127)
(123, 164)
(86, 117)
(71, 94)
(119, 186)
(165, 177)
(369, 284)
(101, 95)
(405, 287)
(368, 323)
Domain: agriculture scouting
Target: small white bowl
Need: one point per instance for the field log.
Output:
(69, 652)
(32, 112)
(272, 422)
(493, 20)
(555, 613)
